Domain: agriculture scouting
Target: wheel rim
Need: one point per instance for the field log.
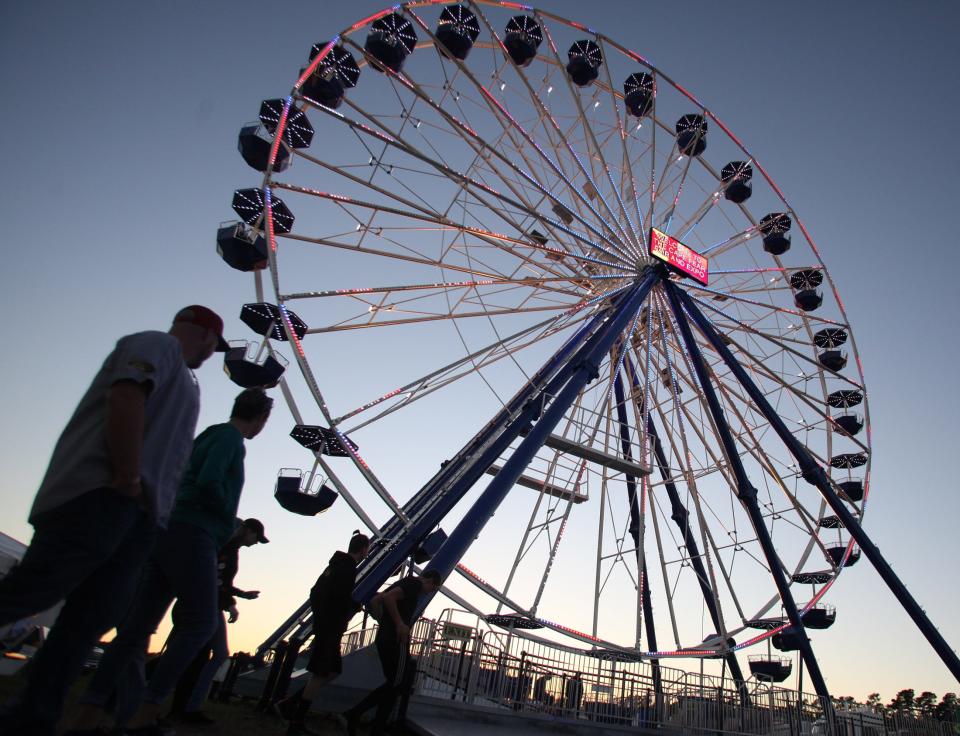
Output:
(509, 204)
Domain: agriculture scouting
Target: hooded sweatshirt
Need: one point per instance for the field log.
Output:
(331, 597)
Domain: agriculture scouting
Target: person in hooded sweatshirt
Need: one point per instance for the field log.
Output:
(331, 600)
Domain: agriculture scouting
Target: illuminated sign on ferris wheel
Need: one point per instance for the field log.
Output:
(679, 257)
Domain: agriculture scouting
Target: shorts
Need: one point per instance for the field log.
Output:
(325, 655)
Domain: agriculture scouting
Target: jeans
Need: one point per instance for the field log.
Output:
(219, 654)
(183, 566)
(89, 552)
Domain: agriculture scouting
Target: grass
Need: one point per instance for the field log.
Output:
(239, 716)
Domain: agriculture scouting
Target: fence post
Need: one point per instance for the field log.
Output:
(237, 662)
(279, 650)
(520, 690)
(475, 663)
(286, 670)
(456, 681)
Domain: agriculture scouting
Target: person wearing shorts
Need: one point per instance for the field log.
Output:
(331, 600)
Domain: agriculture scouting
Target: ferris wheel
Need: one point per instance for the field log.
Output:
(520, 269)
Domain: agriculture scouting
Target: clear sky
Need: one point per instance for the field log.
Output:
(119, 160)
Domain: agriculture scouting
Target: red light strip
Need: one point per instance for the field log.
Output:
(290, 330)
(268, 214)
(312, 66)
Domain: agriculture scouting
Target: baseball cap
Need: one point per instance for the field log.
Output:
(203, 317)
(257, 526)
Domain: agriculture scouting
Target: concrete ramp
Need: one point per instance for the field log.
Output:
(433, 717)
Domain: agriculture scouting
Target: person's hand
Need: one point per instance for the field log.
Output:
(129, 487)
(403, 633)
(234, 614)
(250, 595)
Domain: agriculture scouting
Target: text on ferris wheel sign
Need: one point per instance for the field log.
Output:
(675, 254)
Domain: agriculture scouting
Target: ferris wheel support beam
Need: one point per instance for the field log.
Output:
(635, 522)
(746, 492)
(435, 500)
(815, 475)
(586, 368)
(680, 516)
(545, 380)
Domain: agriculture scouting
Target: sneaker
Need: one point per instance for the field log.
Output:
(196, 718)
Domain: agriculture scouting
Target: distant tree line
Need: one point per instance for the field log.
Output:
(907, 702)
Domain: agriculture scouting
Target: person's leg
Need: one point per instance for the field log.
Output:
(130, 689)
(324, 665)
(297, 706)
(69, 543)
(188, 679)
(188, 557)
(153, 598)
(122, 536)
(388, 696)
(406, 686)
(388, 651)
(187, 683)
(220, 653)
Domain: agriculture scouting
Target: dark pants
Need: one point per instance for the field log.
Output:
(89, 551)
(197, 681)
(183, 566)
(394, 660)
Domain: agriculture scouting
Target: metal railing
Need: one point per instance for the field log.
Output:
(474, 664)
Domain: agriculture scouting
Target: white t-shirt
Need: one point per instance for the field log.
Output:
(81, 462)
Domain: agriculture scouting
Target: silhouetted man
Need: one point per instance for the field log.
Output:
(183, 567)
(110, 485)
(395, 609)
(331, 600)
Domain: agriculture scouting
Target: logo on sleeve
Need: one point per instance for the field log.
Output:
(142, 366)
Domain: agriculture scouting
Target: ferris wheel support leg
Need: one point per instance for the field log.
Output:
(446, 488)
(745, 490)
(646, 602)
(815, 475)
(549, 373)
(586, 370)
(680, 516)
(547, 379)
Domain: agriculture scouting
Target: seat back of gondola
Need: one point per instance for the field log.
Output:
(787, 640)
(241, 247)
(255, 145)
(293, 497)
(249, 370)
(852, 489)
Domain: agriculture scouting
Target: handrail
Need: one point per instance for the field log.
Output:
(507, 674)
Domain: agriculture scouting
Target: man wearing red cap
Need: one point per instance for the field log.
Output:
(110, 485)
(183, 566)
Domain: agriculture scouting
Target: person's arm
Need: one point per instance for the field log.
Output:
(247, 594)
(390, 600)
(126, 410)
